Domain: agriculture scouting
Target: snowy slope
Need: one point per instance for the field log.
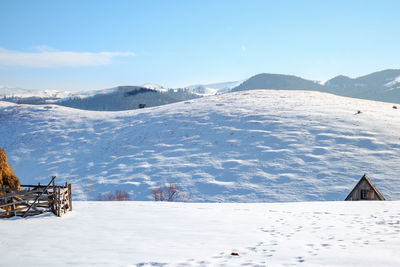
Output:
(264, 145)
(188, 234)
(27, 93)
(155, 86)
(212, 89)
(9, 91)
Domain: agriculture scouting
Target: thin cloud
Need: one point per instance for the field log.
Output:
(243, 48)
(47, 58)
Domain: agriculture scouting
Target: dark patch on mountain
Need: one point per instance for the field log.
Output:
(139, 91)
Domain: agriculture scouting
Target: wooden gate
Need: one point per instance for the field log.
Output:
(35, 199)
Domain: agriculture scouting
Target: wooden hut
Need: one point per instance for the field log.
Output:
(365, 190)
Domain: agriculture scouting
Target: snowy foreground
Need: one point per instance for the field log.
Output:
(188, 234)
(250, 146)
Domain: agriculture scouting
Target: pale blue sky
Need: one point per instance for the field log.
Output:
(75, 45)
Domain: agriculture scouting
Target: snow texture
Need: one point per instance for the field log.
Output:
(249, 146)
(26, 93)
(393, 83)
(205, 234)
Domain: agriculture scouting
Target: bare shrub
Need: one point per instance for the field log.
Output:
(170, 192)
(116, 196)
(121, 196)
(158, 194)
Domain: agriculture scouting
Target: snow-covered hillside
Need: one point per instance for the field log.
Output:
(212, 89)
(264, 145)
(126, 98)
(155, 86)
(204, 234)
(26, 93)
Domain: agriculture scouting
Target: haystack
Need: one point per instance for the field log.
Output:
(7, 176)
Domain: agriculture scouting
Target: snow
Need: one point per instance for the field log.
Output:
(209, 89)
(202, 90)
(90, 93)
(323, 82)
(393, 84)
(154, 86)
(26, 93)
(249, 146)
(9, 91)
(20, 92)
(213, 88)
(205, 234)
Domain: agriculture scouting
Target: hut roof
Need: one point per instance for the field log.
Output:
(366, 179)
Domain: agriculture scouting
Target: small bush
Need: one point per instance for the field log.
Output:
(157, 194)
(170, 192)
(116, 196)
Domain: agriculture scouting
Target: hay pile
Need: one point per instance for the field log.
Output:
(7, 176)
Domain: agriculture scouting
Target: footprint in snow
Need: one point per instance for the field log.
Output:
(300, 259)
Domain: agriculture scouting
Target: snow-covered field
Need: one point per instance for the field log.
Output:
(205, 234)
(263, 145)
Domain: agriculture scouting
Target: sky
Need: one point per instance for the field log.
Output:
(84, 45)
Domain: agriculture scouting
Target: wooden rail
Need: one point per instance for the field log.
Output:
(35, 199)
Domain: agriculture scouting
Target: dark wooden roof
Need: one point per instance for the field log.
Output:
(365, 178)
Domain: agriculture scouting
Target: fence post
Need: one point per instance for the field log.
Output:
(59, 202)
(70, 197)
(63, 200)
(13, 207)
(54, 205)
(6, 202)
(65, 195)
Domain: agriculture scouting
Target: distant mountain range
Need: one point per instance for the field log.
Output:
(380, 86)
(29, 96)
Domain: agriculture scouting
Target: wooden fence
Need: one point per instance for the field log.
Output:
(35, 199)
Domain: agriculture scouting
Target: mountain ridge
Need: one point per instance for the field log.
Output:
(277, 81)
(379, 86)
